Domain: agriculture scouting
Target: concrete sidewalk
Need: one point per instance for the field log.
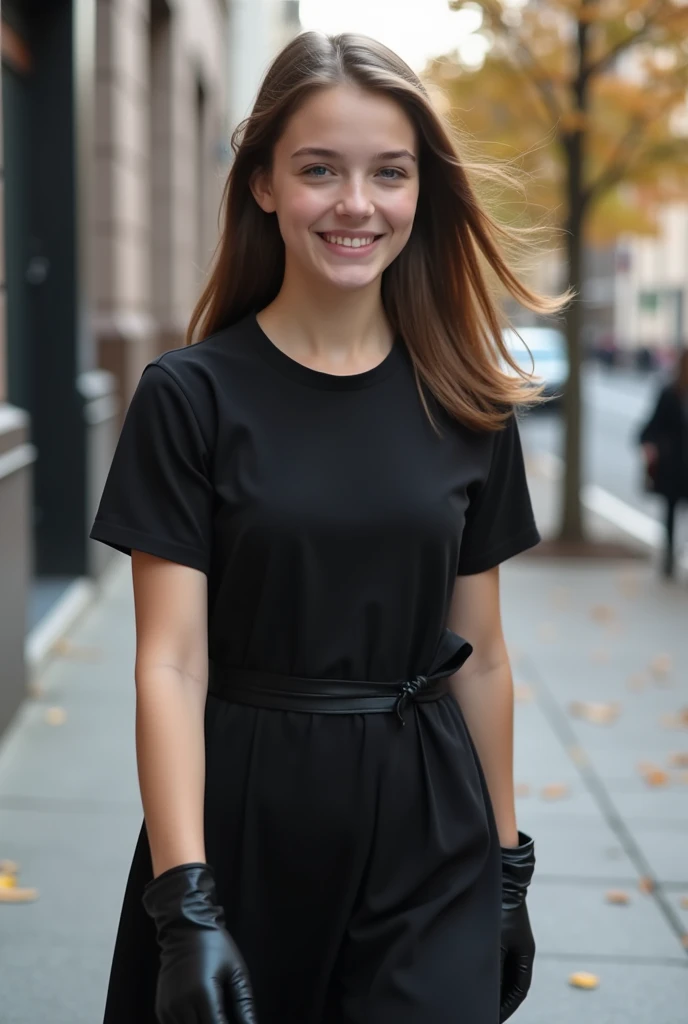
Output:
(70, 812)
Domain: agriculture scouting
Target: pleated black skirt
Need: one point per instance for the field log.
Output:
(358, 864)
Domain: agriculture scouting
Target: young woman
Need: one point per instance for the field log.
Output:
(316, 497)
(664, 440)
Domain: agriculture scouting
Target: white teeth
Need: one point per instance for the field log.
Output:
(351, 243)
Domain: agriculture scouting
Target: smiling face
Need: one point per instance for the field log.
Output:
(344, 187)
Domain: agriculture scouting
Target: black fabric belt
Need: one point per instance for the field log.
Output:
(261, 689)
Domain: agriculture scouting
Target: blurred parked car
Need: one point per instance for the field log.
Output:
(545, 357)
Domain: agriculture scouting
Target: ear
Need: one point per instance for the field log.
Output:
(261, 188)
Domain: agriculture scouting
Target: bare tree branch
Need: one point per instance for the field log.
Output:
(539, 80)
(624, 44)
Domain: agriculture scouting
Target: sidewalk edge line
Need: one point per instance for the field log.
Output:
(64, 614)
(606, 505)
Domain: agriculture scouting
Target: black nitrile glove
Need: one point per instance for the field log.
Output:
(203, 978)
(517, 942)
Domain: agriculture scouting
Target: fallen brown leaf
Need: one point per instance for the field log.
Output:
(55, 716)
(679, 760)
(581, 979)
(684, 941)
(661, 665)
(684, 903)
(555, 791)
(602, 613)
(656, 777)
(675, 719)
(646, 885)
(598, 713)
(17, 895)
(617, 897)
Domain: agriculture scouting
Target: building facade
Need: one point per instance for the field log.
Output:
(115, 128)
(651, 293)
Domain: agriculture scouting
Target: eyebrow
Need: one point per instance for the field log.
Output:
(331, 154)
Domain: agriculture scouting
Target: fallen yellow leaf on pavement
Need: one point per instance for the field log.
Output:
(653, 775)
(10, 892)
(523, 694)
(581, 979)
(618, 897)
(56, 716)
(17, 895)
(554, 791)
(598, 713)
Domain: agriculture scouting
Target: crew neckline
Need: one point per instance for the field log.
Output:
(306, 375)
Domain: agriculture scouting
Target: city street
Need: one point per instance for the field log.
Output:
(616, 404)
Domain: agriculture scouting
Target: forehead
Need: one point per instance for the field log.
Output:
(349, 120)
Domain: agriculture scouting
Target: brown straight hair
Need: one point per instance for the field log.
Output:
(437, 293)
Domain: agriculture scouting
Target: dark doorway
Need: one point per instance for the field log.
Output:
(42, 285)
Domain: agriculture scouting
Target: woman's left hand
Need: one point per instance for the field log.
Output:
(517, 942)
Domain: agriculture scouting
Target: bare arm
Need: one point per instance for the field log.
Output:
(484, 691)
(171, 686)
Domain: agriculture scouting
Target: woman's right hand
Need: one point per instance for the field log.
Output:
(203, 978)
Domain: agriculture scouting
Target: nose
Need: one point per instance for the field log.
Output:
(354, 201)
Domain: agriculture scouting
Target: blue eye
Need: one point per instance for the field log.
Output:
(314, 172)
(385, 171)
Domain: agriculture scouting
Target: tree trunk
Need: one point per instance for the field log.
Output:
(572, 522)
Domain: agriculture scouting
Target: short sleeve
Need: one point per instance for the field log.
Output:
(158, 495)
(499, 520)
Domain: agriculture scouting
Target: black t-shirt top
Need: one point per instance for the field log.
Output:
(330, 518)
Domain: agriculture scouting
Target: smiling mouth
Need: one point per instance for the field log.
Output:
(348, 241)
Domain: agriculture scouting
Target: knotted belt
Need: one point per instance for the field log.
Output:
(261, 689)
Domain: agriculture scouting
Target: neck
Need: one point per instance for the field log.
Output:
(327, 322)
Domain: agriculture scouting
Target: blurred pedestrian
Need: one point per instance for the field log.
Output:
(664, 440)
(317, 497)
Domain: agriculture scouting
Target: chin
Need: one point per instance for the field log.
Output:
(351, 282)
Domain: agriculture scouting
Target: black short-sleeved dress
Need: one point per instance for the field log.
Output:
(356, 857)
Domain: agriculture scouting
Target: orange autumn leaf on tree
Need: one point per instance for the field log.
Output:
(587, 100)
